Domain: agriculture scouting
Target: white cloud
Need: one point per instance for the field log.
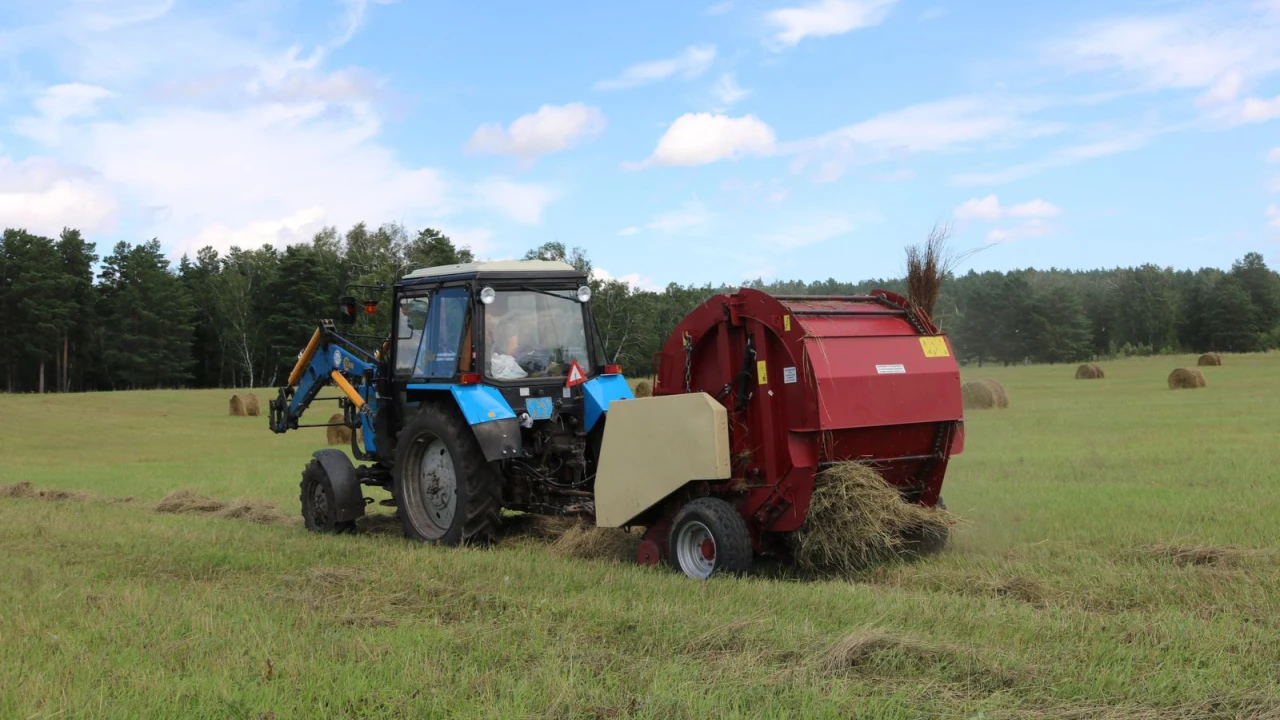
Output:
(551, 129)
(1062, 158)
(1274, 155)
(720, 8)
(1260, 109)
(635, 280)
(702, 138)
(629, 231)
(691, 216)
(43, 196)
(1029, 229)
(812, 232)
(521, 202)
(988, 208)
(825, 18)
(58, 104)
(946, 125)
(727, 92)
(689, 65)
(1224, 90)
(107, 15)
(277, 232)
(1273, 214)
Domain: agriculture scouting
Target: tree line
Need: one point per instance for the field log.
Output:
(76, 321)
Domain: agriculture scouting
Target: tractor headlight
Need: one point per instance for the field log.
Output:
(584, 293)
(487, 295)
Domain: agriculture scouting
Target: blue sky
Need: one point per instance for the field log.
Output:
(676, 141)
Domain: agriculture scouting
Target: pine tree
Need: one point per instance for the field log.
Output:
(148, 332)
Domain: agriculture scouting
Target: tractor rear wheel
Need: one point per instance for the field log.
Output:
(709, 537)
(319, 506)
(445, 491)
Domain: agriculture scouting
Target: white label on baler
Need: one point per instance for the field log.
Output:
(891, 370)
(788, 375)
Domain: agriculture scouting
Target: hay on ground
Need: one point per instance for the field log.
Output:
(338, 434)
(1089, 371)
(855, 519)
(1187, 556)
(244, 405)
(859, 647)
(186, 501)
(644, 389)
(588, 542)
(27, 490)
(1209, 360)
(1185, 379)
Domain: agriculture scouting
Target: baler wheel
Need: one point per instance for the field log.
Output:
(445, 491)
(319, 507)
(709, 537)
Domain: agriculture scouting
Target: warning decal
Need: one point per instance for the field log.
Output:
(576, 376)
(762, 372)
(786, 323)
(788, 375)
(934, 347)
(891, 369)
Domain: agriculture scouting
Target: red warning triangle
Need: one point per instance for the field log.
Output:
(576, 376)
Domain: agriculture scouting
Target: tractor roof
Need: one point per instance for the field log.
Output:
(497, 269)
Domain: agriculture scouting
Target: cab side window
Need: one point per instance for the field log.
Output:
(446, 321)
(411, 320)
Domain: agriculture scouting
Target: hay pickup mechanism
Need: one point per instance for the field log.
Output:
(493, 392)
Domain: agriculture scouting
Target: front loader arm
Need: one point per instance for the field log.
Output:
(328, 360)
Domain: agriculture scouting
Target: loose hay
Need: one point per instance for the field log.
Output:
(644, 389)
(1209, 360)
(588, 542)
(244, 405)
(186, 501)
(1089, 371)
(1206, 555)
(983, 395)
(856, 519)
(27, 490)
(338, 434)
(856, 649)
(1185, 379)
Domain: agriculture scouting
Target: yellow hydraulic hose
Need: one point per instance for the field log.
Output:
(347, 389)
(305, 359)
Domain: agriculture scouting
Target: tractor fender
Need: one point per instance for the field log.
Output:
(599, 392)
(346, 488)
(496, 427)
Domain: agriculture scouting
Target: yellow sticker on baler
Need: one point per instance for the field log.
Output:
(934, 347)
(786, 323)
(762, 372)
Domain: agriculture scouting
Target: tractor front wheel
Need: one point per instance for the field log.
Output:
(445, 491)
(319, 505)
(709, 537)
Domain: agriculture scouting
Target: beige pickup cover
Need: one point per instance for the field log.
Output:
(652, 447)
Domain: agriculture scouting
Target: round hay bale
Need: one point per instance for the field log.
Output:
(1089, 371)
(244, 405)
(644, 389)
(998, 393)
(977, 396)
(1185, 379)
(1209, 360)
(338, 434)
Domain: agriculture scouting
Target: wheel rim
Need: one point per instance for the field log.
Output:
(319, 507)
(436, 485)
(696, 550)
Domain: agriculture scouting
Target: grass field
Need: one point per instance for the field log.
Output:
(1063, 594)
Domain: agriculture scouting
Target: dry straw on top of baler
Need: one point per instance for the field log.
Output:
(856, 519)
(244, 404)
(928, 266)
(338, 434)
(1209, 360)
(1089, 371)
(983, 395)
(1185, 379)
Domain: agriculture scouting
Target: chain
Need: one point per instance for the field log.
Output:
(688, 362)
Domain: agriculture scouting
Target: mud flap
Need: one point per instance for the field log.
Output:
(499, 439)
(346, 488)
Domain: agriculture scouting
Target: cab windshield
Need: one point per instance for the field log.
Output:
(534, 335)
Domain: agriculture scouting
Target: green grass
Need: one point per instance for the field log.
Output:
(1050, 602)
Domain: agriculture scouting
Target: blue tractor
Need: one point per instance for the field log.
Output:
(490, 391)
